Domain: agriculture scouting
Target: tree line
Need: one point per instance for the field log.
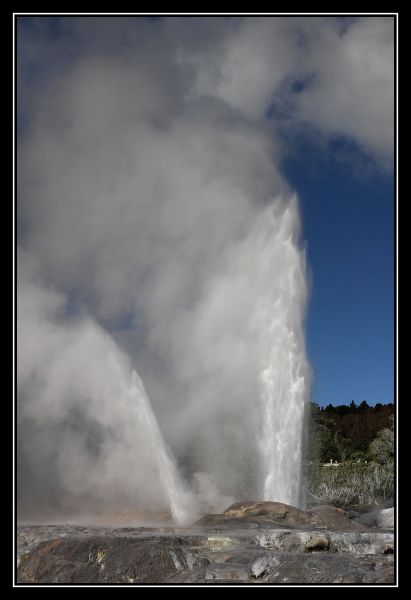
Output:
(345, 432)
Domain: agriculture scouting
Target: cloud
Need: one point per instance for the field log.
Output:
(254, 58)
(333, 75)
(158, 234)
(352, 84)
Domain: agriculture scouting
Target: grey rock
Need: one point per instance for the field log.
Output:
(330, 517)
(356, 543)
(385, 518)
(369, 518)
(259, 515)
(325, 568)
(263, 565)
(226, 573)
(70, 554)
(269, 512)
(317, 541)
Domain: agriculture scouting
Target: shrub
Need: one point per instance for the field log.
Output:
(350, 483)
(382, 447)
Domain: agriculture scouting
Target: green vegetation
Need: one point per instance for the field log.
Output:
(382, 447)
(342, 433)
(361, 440)
(349, 484)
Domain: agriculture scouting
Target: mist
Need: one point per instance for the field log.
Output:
(158, 236)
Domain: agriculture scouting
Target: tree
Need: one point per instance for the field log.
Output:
(320, 446)
(382, 447)
(363, 407)
(344, 446)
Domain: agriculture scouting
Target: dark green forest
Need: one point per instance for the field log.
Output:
(345, 432)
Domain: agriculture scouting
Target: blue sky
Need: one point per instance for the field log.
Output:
(348, 228)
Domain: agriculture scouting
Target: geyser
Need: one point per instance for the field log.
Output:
(179, 499)
(283, 380)
(156, 234)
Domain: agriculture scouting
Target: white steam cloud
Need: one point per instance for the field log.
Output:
(158, 235)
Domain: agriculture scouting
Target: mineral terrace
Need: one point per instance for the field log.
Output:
(251, 542)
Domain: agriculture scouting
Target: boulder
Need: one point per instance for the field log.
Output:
(369, 518)
(317, 542)
(265, 514)
(277, 513)
(372, 515)
(330, 517)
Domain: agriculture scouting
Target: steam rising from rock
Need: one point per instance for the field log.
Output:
(157, 235)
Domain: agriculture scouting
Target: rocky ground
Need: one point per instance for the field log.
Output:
(254, 542)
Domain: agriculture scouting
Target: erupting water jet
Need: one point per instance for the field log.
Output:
(179, 498)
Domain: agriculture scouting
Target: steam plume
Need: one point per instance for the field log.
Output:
(157, 235)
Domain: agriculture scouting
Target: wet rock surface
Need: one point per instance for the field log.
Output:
(276, 514)
(272, 512)
(248, 544)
